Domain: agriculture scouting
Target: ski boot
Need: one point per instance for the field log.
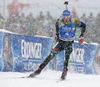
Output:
(37, 72)
(63, 75)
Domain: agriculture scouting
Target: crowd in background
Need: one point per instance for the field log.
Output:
(44, 25)
(29, 25)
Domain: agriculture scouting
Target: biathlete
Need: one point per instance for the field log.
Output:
(65, 36)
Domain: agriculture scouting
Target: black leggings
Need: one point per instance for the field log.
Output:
(61, 45)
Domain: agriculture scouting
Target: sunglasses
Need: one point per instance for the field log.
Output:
(66, 16)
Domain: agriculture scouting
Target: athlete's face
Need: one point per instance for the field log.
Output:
(66, 18)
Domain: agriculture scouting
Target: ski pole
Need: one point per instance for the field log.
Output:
(87, 47)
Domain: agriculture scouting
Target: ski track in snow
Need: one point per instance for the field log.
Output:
(48, 78)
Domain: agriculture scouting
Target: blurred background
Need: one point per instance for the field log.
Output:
(38, 17)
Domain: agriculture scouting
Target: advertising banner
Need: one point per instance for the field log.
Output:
(97, 62)
(1, 50)
(7, 54)
(21, 53)
(29, 51)
(81, 59)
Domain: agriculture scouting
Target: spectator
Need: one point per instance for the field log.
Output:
(44, 24)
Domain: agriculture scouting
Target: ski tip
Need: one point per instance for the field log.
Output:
(58, 80)
(23, 77)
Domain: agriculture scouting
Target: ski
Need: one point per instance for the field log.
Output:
(59, 80)
(26, 77)
(23, 77)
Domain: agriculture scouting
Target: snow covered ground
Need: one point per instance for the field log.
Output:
(48, 79)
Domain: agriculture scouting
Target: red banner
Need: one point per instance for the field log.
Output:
(15, 8)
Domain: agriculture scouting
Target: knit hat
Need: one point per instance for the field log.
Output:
(66, 12)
